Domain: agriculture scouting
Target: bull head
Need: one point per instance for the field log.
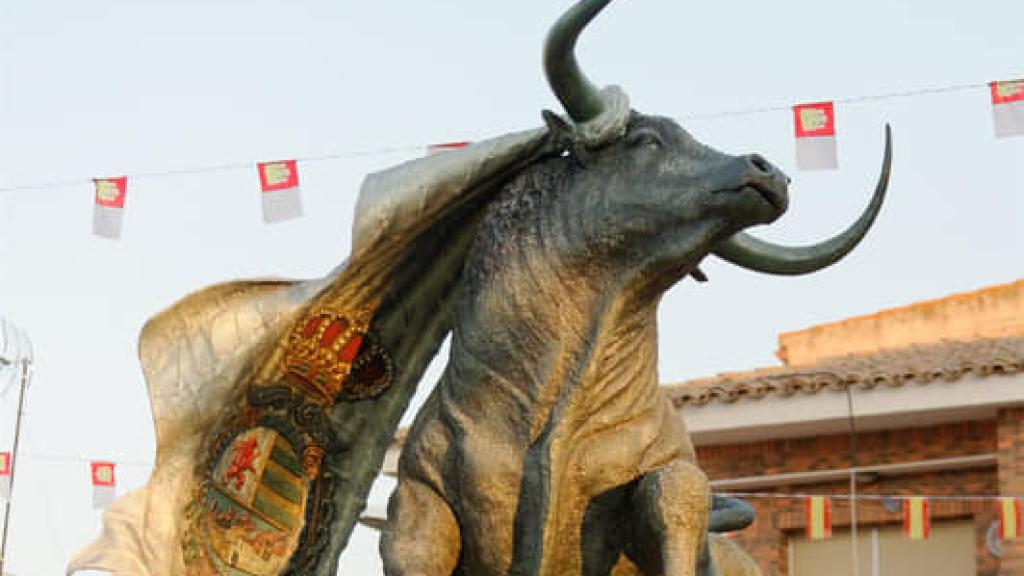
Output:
(756, 189)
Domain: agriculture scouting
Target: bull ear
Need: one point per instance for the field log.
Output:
(561, 130)
(564, 135)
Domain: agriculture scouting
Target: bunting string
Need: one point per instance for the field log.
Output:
(845, 101)
(861, 496)
(223, 167)
(71, 458)
(77, 459)
(413, 148)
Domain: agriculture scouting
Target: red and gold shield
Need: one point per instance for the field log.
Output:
(252, 507)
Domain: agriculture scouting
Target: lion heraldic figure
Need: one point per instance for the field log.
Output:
(547, 448)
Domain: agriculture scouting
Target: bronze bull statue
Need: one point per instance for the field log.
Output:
(547, 447)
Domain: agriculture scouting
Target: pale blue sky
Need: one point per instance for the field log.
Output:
(107, 87)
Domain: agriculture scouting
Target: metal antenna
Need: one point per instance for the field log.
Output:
(854, 544)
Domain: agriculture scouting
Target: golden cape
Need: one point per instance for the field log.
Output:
(412, 227)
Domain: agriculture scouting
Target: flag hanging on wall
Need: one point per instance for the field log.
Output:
(819, 517)
(815, 136)
(1009, 518)
(5, 476)
(104, 485)
(1008, 108)
(438, 148)
(279, 182)
(108, 211)
(916, 521)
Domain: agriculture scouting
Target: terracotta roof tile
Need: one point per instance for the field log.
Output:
(920, 363)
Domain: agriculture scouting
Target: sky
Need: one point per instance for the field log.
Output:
(111, 87)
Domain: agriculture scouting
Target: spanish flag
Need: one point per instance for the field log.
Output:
(815, 126)
(819, 518)
(104, 485)
(108, 211)
(5, 476)
(916, 523)
(279, 183)
(1008, 107)
(445, 146)
(1009, 518)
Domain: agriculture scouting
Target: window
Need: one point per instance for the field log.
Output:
(884, 551)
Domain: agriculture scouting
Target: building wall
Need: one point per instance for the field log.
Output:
(992, 312)
(766, 540)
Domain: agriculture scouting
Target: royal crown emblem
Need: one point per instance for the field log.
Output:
(323, 347)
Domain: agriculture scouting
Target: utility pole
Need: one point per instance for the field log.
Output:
(854, 544)
(13, 462)
(24, 360)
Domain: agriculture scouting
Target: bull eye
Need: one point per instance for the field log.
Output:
(645, 137)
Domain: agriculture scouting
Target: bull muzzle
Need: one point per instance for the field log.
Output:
(749, 252)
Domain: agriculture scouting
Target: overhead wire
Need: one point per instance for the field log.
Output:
(862, 496)
(845, 101)
(242, 165)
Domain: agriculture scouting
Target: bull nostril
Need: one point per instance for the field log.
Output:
(761, 164)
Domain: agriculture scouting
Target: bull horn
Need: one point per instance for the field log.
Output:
(581, 99)
(749, 252)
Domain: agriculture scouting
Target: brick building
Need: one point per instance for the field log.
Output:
(937, 394)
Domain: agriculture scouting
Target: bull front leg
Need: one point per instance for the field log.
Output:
(670, 522)
(421, 537)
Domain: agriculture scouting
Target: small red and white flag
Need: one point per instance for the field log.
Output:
(444, 147)
(108, 211)
(1009, 518)
(104, 484)
(1008, 108)
(282, 199)
(815, 136)
(819, 518)
(916, 520)
(5, 476)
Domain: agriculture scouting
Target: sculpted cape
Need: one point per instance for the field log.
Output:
(275, 400)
